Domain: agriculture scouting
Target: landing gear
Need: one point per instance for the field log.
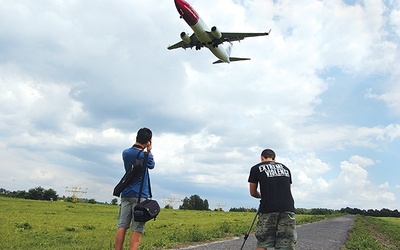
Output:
(214, 44)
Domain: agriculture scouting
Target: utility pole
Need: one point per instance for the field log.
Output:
(76, 192)
(219, 206)
(171, 202)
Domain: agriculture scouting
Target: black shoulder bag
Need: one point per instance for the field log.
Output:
(148, 209)
(136, 168)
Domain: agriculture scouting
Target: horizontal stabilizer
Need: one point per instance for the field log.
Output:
(232, 59)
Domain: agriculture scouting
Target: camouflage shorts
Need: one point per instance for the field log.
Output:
(276, 230)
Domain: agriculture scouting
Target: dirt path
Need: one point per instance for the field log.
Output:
(328, 234)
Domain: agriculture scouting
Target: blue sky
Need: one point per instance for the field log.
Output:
(78, 79)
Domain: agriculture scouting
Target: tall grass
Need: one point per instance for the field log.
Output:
(391, 227)
(29, 224)
(374, 233)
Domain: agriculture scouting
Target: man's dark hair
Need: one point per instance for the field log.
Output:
(268, 153)
(144, 135)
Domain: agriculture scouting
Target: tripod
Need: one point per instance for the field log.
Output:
(248, 231)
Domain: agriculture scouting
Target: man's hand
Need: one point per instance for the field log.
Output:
(148, 146)
(253, 190)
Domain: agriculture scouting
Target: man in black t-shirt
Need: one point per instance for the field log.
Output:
(276, 226)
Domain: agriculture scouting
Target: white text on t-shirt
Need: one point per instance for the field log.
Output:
(274, 170)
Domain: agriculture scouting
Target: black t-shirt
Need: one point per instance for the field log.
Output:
(274, 179)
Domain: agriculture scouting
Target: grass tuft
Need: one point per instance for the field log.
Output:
(24, 226)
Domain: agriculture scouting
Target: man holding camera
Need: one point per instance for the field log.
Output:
(276, 226)
(129, 196)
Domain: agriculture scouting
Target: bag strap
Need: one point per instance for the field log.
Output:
(146, 156)
(137, 156)
(148, 175)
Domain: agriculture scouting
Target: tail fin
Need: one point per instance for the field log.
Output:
(232, 59)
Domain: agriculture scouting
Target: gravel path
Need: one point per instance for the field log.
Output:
(330, 234)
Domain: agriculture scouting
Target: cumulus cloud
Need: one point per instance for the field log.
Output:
(361, 161)
(356, 188)
(351, 187)
(79, 79)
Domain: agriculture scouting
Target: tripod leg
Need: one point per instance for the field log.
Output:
(248, 231)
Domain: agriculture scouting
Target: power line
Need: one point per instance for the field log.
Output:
(171, 201)
(219, 206)
(76, 192)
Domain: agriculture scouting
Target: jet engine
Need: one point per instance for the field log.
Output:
(215, 32)
(185, 37)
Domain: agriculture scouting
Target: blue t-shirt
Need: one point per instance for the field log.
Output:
(132, 190)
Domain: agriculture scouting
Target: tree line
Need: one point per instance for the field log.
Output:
(37, 193)
(384, 212)
(194, 202)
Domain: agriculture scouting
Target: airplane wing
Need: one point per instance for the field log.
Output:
(194, 42)
(234, 36)
(226, 37)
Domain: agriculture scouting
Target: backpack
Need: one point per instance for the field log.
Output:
(136, 168)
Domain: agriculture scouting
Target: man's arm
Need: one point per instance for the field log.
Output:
(253, 190)
(150, 160)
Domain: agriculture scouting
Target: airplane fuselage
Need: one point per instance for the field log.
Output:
(200, 29)
(213, 39)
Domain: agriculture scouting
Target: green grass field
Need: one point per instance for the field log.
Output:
(374, 233)
(30, 224)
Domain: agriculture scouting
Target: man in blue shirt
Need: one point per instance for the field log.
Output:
(129, 196)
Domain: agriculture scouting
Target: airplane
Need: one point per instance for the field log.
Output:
(204, 37)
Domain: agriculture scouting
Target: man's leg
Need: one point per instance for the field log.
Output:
(286, 233)
(119, 238)
(135, 240)
(266, 230)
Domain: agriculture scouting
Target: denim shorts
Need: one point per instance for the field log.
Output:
(125, 217)
(276, 230)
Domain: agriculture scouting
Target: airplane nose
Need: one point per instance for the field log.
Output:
(178, 4)
(187, 12)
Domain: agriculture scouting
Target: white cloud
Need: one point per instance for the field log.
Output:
(395, 20)
(353, 187)
(391, 98)
(78, 79)
(361, 161)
